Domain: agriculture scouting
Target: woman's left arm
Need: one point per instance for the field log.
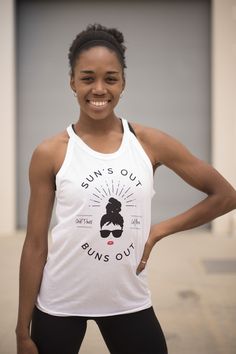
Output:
(221, 196)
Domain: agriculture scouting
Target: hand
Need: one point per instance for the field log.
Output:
(26, 346)
(153, 238)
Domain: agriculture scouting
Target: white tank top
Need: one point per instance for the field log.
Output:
(103, 210)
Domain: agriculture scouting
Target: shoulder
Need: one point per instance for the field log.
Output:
(50, 145)
(154, 141)
(146, 133)
(161, 147)
(47, 152)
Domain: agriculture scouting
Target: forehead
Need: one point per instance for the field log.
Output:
(98, 56)
(111, 226)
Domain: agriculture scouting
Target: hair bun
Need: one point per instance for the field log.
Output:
(113, 206)
(95, 32)
(112, 31)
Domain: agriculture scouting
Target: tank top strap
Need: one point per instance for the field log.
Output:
(70, 131)
(125, 126)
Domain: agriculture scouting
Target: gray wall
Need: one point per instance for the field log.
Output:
(168, 80)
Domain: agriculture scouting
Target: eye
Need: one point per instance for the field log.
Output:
(112, 79)
(87, 79)
(105, 233)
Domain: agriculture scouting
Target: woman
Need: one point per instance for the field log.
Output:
(101, 171)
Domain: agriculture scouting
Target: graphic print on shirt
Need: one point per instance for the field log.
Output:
(114, 231)
(112, 222)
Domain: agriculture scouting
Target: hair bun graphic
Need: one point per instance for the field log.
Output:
(113, 206)
(112, 216)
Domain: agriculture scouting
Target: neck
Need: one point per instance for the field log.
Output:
(100, 126)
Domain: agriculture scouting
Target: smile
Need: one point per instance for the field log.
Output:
(98, 103)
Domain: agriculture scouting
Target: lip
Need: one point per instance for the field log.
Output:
(110, 243)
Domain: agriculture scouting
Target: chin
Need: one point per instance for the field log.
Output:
(98, 117)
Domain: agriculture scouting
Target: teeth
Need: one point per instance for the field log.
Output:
(98, 103)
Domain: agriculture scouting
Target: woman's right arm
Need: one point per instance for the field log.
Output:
(35, 249)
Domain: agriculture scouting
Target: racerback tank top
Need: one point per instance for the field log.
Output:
(103, 211)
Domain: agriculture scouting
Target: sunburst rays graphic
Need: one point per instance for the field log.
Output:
(109, 189)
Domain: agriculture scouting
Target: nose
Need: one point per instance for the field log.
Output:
(99, 88)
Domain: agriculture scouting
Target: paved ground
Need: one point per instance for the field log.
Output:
(193, 283)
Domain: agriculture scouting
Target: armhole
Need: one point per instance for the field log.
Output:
(65, 164)
(158, 164)
(131, 129)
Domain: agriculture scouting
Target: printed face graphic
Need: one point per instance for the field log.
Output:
(109, 230)
(112, 222)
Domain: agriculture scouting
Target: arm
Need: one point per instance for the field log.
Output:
(35, 247)
(221, 196)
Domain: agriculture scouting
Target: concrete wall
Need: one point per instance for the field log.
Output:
(224, 100)
(7, 118)
(223, 107)
(168, 81)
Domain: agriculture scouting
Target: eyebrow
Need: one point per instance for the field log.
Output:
(92, 72)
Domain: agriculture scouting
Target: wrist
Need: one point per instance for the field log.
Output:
(158, 232)
(22, 333)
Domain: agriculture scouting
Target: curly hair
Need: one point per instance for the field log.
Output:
(95, 35)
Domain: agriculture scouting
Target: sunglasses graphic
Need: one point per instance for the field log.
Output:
(115, 233)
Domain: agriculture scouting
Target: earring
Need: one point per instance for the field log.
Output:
(75, 93)
(121, 95)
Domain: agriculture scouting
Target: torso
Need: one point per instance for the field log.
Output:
(91, 171)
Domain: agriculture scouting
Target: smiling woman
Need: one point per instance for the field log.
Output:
(97, 81)
(100, 170)
(97, 71)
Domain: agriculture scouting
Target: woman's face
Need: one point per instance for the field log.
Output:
(110, 231)
(98, 81)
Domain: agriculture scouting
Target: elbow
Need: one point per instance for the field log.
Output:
(228, 202)
(234, 201)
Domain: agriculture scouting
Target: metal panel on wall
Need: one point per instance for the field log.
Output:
(168, 80)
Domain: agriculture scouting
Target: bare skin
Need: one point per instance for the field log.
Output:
(101, 129)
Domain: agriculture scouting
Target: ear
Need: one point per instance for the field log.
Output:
(123, 84)
(72, 83)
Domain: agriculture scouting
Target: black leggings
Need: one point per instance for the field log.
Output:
(134, 333)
